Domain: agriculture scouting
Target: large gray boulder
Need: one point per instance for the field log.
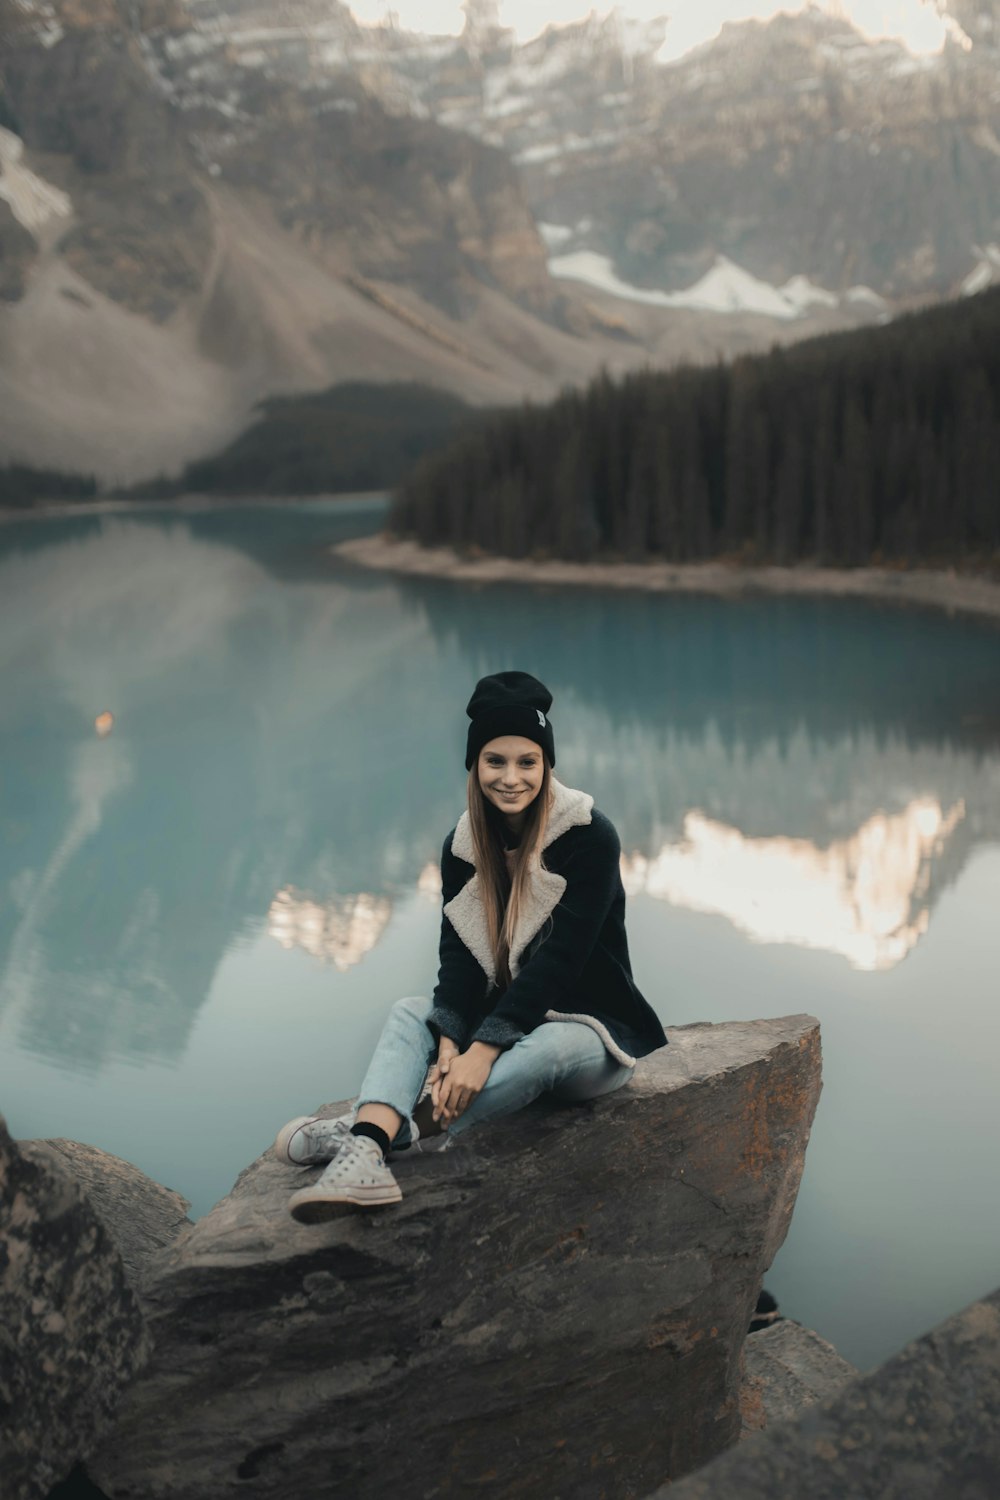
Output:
(71, 1331)
(923, 1426)
(558, 1306)
(141, 1216)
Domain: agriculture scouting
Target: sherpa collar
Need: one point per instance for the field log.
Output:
(465, 911)
(569, 807)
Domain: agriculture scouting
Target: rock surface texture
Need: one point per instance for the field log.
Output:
(71, 1333)
(923, 1426)
(142, 1217)
(789, 1367)
(558, 1306)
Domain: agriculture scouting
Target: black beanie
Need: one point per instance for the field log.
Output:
(509, 703)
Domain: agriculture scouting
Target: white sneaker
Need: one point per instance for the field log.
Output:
(357, 1175)
(307, 1140)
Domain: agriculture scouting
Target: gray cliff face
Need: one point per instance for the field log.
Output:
(17, 251)
(140, 112)
(794, 148)
(71, 1333)
(204, 202)
(558, 1305)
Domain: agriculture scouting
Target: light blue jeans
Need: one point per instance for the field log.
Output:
(565, 1058)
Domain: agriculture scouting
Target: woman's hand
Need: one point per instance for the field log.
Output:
(447, 1049)
(461, 1079)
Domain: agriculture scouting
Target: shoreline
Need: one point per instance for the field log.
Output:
(938, 588)
(193, 503)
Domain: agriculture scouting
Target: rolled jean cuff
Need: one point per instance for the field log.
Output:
(407, 1131)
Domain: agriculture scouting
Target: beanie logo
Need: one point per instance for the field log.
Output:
(541, 717)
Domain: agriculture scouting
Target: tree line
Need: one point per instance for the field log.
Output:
(876, 445)
(355, 436)
(23, 487)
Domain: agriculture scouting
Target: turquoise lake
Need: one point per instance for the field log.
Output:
(206, 913)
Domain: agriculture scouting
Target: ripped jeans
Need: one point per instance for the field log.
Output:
(566, 1058)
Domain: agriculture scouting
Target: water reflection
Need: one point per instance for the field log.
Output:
(340, 930)
(288, 753)
(866, 897)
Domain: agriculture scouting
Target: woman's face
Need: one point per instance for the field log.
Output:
(510, 774)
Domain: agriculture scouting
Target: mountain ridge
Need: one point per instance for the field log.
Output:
(200, 208)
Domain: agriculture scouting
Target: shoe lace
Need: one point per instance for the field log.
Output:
(357, 1153)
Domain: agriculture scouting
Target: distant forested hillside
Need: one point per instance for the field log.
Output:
(868, 446)
(352, 436)
(23, 487)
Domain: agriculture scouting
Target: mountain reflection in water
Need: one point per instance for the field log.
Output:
(210, 899)
(287, 756)
(865, 897)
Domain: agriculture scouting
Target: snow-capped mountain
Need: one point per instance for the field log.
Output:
(795, 152)
(206, 201)
(782, 164)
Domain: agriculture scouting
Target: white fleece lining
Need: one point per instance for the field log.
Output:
(600, 1028)
(465, 911)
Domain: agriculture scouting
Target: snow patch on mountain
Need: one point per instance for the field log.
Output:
(570, 145)
(986, 273)
(801, 293)
(45, 26)
(33, 200)
(726, 288)
(866, 295)
(555, 235)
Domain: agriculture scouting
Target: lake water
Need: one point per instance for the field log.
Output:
(206, 913)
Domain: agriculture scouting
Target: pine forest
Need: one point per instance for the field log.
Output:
(877, 446)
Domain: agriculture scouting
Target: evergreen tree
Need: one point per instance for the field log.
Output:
(881, 444)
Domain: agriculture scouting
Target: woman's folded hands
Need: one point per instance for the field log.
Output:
(461, 1077)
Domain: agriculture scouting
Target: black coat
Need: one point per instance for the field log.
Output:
(569, 959)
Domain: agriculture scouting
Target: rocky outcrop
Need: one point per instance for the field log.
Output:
(559, 1304)
(17, 249)
(141, 1217)
(794, 148)
(215, 203)
(788, 1368)
(924, 1426)
(71, 1333)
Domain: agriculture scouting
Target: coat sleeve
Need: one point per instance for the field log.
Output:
(459, 998)
(593, 875)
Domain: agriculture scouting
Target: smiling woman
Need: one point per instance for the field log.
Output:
(533, 933)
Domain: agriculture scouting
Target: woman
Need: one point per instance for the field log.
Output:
(532, 933)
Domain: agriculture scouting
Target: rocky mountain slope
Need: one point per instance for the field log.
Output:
(203, 202)
(797, 151)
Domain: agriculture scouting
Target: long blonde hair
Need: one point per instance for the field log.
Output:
(503, 893)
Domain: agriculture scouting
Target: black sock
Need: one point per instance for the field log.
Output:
(374, 1133)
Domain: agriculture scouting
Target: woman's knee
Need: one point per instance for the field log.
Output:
(556, 1052)
(417, 1007)
(567, 1044)
(591, 1083)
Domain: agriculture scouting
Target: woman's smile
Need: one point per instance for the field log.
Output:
(511, 755)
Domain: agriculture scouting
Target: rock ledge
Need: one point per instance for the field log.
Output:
(558, 1305)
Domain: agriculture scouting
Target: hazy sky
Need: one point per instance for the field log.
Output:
(693, 21)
